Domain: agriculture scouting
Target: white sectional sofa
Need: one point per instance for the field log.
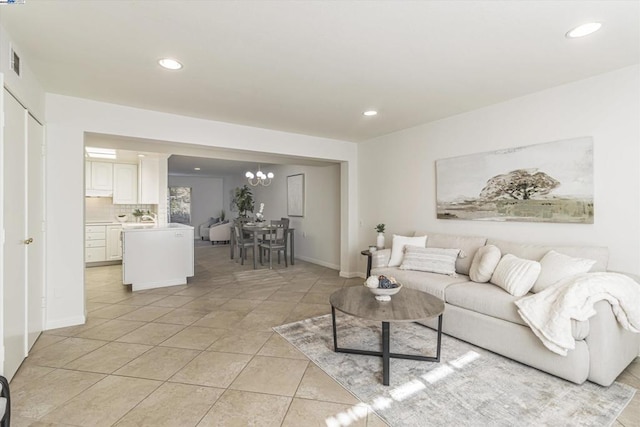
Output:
(485, 314)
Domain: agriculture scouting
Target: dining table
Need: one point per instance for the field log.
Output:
(258, 230)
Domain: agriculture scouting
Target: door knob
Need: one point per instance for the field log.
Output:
(28, 241)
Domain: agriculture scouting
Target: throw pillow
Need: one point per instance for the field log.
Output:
(484, 263)
(434, 260)
(516, 275)
(398, 244)
(557, 266)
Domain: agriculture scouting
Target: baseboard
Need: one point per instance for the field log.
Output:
(351, 275)
(63, 323)
(319, 262)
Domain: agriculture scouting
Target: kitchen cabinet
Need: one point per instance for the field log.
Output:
(98, 179)
(125, 184)
(95, 243)
(148, 184)
(114, 242)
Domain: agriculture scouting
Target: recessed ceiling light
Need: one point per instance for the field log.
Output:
(583, 30)
(140, 155)
(370, 113)
(170, 64)
(196, 169)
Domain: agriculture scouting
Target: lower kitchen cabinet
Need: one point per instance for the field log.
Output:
(103, 243)
(114, 242)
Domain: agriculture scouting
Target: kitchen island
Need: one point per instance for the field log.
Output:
(155, 256)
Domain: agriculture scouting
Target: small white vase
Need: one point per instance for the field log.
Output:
(380, 241)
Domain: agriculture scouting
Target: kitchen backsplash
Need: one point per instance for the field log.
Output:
(103, 209)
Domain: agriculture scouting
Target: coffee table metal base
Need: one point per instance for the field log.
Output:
(386, 353)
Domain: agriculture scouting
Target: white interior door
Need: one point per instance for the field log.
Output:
(15, 249)
(35, 230)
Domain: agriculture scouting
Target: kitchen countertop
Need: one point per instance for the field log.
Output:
(103, 223)
(140, 226)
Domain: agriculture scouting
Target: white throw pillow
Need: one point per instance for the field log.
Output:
(516, 275)
(557, 266)
(397, 247)
(484, 263)
(434, 260)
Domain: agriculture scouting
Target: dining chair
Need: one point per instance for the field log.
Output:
(276, 241)
(243, 242)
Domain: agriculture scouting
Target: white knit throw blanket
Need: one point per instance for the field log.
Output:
(549, 313)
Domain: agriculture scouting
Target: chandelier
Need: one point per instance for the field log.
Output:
(259, 178)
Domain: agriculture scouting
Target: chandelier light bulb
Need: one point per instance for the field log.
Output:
(259, 178)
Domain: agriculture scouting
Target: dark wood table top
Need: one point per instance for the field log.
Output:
(408, 305)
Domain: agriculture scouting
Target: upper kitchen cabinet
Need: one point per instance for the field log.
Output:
(125, 184)
(148, 184)
(99, 178)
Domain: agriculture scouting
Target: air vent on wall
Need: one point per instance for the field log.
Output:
(15, 62)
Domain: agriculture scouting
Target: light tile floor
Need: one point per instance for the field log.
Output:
(200, 354)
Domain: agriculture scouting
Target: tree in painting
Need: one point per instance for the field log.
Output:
(520, 184)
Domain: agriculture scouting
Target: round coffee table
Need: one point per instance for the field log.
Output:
(408, 305)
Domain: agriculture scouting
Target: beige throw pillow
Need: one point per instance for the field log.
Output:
(516, 275)
(398, 245)
(557, 266)
(484, 263)
(433, 260)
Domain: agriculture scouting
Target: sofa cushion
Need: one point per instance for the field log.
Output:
(431, 283)
(468, 246)
(516, 275)
(536, 252)
(434, 260)
(487, 299)
(484, 263)
(557, 266)
(397, 247)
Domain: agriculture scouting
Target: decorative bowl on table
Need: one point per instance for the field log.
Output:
(122, 218)
(382, 287)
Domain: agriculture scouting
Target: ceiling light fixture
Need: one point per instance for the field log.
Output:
(100, 153)
(140, 155)
(196, 169)
(260, 178)
(583, 30)
(170, 64)
(370, 113)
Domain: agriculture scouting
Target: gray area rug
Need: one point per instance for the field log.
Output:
(469, 387)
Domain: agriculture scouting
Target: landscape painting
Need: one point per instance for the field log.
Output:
(550, 182)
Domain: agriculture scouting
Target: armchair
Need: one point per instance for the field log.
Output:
(220, 232)
(203, 229)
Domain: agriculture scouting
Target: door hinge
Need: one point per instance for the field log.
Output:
(44, 302)
(44, 226)
(44, 150)
(3, 236)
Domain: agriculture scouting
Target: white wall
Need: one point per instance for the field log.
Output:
(26, 87)
(69, 118)
(397, 171)
(317, 233)
(207, 197)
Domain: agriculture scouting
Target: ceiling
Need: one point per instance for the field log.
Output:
(313, 67)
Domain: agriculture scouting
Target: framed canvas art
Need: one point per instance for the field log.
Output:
(549, 182)
(295, 195)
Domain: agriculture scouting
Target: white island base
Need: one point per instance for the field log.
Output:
(157, 256)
